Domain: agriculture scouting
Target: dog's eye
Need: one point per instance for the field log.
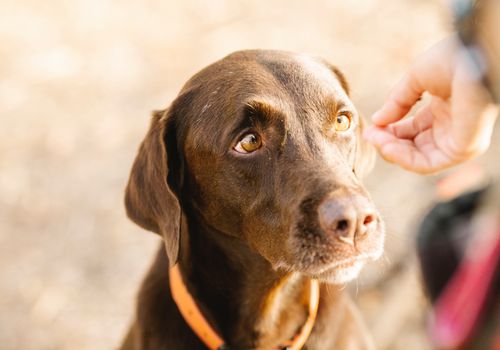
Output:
(248, 143)
(342, 122)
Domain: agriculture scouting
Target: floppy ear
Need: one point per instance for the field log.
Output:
(364, 160)
(150, 200)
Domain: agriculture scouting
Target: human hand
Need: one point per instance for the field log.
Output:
(455, 126)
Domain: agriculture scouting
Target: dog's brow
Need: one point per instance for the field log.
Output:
(340, 105)
(334, 106)
(265, 110)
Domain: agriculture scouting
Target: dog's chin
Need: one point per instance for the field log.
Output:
(341, 274)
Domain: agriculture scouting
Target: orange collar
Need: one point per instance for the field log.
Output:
(199, 325)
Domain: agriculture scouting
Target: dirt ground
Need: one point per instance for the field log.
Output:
(77, 83)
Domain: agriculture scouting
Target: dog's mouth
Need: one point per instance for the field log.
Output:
(319, 255)
(345, 270)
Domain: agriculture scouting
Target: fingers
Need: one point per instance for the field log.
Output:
(379, 136)
(391, 148)
(407, 156)
(431, 72)
(402, 98)
(409, 128)
(423, 157)
(406, 129)
(422, 143)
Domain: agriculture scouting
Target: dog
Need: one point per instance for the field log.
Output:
(252, 177)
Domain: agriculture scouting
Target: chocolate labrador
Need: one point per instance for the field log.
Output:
(252, 178)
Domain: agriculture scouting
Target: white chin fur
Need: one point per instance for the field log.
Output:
(344, 275)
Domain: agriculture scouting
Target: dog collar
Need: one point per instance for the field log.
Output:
(200, 326)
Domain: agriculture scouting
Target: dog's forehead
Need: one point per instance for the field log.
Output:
(292, 82)
(320, 75)
(301, 74)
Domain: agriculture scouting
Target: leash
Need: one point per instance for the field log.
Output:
(200, 326)
(458, 310)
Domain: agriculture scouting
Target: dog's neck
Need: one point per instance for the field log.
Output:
(248, 302)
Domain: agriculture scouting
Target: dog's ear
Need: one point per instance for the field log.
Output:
(364, 160)
(151, 200)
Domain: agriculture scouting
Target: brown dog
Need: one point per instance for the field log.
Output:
(252, 178)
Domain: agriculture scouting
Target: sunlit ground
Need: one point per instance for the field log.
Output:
(77, 83)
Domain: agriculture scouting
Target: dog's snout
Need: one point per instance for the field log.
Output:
(349, 218)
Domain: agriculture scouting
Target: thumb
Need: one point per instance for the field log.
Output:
(401, 99)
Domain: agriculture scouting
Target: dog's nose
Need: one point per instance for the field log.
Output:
(349, 218)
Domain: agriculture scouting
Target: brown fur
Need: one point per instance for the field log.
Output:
(244, 229)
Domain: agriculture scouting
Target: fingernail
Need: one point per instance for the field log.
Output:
(376, 116)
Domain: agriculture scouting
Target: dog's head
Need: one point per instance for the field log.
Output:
(264, 146)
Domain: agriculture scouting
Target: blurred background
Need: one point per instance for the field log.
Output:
(78, 80)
